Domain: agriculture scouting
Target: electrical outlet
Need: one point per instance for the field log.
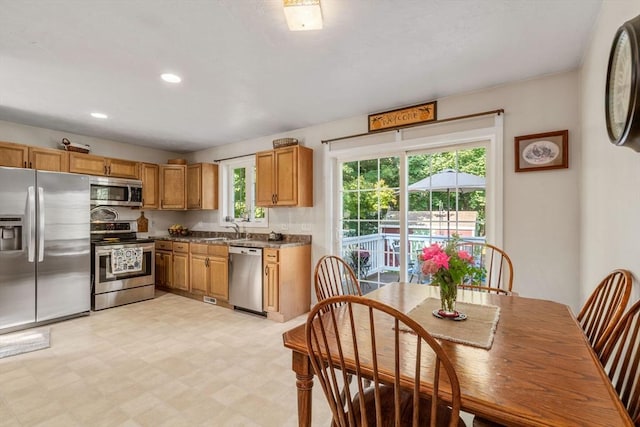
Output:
(284, 227)
(306, 227)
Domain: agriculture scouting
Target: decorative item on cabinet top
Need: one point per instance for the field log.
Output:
(284, 142)
(73, 146)
(177, 162)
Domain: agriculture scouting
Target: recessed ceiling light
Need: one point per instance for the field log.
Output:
(171, 78)
(99, 115)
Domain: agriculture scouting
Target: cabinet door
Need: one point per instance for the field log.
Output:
(164, 263)
(86, 164)
(199, 273)
(172, 187)
(265, 185)
(181, 271)
(149, 176)
(46, 159)
(122, 168)
(194, 186)
(271, 282)
(219, 285)
(13, 155)
(286, 176)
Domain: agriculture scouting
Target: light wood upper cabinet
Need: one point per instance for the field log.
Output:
(284, 177)
(172, 187)
(102, 166)
(121, 168)
(87, 164)
(24, 156)
(219, 266)
(48, 159)
(149, 174)
(14, 155)
(202, 186)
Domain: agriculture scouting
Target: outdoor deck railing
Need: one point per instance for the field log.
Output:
(380, 252)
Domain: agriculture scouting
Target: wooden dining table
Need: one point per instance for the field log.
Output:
(539, 371)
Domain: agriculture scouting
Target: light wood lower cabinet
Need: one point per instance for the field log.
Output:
(164, 263)
(210, 270)
(287, 285)
(180, 266)
(219, 266)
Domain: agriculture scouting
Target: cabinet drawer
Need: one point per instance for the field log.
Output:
(164, 245)
(180, 247)
(199, 248)
(219, 250)
(271, 255)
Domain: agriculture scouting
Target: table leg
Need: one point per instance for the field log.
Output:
(301, 365)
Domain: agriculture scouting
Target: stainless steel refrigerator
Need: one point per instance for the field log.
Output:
(45, 260)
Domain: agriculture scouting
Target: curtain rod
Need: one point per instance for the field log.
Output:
(235, 157)
(468, 116)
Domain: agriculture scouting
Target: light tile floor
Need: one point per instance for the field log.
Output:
(170, 361)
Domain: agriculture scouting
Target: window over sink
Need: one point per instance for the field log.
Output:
(238, 194)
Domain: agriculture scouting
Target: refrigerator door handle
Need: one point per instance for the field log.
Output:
(31, 204)
(40, 224)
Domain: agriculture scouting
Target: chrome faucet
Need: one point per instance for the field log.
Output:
(236, 228)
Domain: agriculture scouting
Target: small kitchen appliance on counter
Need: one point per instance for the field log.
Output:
(123, 266)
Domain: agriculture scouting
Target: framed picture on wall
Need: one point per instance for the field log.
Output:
(542, 151)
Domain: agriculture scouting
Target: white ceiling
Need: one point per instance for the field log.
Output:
(246, 75)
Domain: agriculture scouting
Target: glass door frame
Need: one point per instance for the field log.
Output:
(489, 137)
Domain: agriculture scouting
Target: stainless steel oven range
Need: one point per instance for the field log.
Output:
(123, 266)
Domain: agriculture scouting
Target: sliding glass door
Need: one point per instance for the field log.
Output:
(382, 238)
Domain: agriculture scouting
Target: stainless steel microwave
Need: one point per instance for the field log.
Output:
(115, 192)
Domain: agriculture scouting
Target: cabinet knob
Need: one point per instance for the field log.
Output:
(266, 270)
(25, 163)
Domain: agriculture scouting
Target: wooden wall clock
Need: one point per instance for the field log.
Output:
(622, 96)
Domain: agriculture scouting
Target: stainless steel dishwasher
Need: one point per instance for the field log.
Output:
(245, 278)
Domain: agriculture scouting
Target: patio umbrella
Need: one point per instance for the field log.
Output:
(449, 180)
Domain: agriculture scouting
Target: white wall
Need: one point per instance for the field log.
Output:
(30, 135)
(541, 208)
(159, 221)
(610, 175)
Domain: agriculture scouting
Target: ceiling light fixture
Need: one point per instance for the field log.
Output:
(99, 115)
(170, 78)
(303, 14)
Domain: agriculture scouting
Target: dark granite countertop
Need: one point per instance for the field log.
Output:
(252, 241)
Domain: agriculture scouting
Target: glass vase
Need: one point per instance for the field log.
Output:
(448, 296)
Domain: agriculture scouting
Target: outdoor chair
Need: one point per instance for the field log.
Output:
(604, 308)
(499, 268)
(621, 359)
(384, 403)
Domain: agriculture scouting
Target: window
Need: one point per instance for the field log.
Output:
(237, 189)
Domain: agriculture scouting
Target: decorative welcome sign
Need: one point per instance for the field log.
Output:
(421, 113)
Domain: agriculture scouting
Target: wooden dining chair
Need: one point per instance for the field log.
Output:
(604, 308)
(621, 360)
(342, 337)
(499, 268)
(333, 276)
